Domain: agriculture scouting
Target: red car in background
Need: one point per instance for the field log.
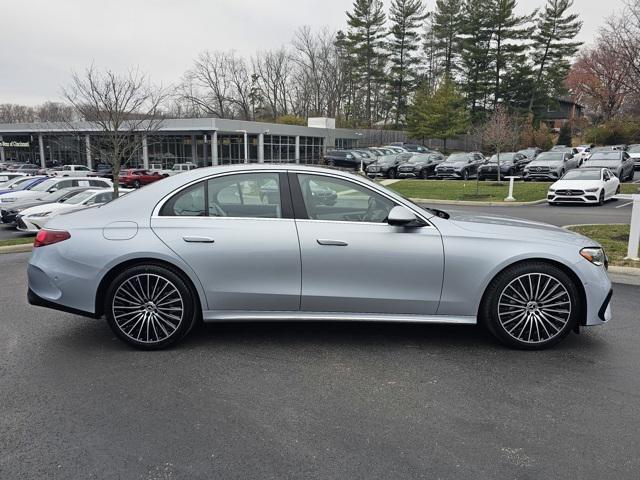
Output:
(137, 177)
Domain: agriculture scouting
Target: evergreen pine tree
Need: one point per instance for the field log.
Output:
(441, 114)
(366, 37)
(508, 47)
(447, 29)
(406, 17)
(553, 46)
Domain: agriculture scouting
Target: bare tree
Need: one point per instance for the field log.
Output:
(122, 108)
(273, 69)
(622, 35)
(14, 113)
(500, 131)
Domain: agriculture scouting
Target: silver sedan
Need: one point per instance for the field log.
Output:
(207, 245)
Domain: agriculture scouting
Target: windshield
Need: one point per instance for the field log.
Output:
(22, 183)
(44, 186)
(419, 158)
(504, 157)
(53, 196)
(634, 149)
(580, 174)
(79, 198)
(457, 157)
(550, 157)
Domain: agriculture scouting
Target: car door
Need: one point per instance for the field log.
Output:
(610, 183)
(628, 165)
(243, 248)
(353, 261)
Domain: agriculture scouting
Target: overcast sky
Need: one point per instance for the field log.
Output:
(42, 41)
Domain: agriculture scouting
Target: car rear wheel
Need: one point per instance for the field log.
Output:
(136, 184)
(150, 307)
(531, 306)
(424, 174)
(465, 175)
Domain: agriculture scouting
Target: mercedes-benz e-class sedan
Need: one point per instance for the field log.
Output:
(205, 245)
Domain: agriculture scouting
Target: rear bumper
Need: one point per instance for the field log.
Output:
(37, 301)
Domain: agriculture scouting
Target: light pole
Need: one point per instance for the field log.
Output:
(246, 147)
(361, 158)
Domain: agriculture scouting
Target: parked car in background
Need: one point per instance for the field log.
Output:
(550, 166)
(421, 165)
(160, 170)
(618, 161)
(413, 147)
(366, 153)
(574, 152)
(33, 219)
(584, 185)
(460, 166)
(531, 153)
(182, 167)
(371, 256)
(52, 184)
(395, 149)
(71, 171)
(28, 169)
(595, 150)
(621, 147)
(634, 153)
(8, 214)
(136, 178)
(386, 165)
(346, 159)
(6, 176)
(104, 170)
(511, 164)
(16, 185)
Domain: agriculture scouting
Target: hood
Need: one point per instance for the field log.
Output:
(13, 196)
(576, 184)
(47, 207)
(419, 162)
(527, 230)
(545, 163)
(461, 163)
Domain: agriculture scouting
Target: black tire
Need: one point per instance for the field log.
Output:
(424, 174)
(331, 163)
(391, 173)
(601, 198)
(120, 306)
(136, 184)
(465, 175)
(618, 190)
(509, 335)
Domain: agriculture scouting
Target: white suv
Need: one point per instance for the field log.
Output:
(72, 171)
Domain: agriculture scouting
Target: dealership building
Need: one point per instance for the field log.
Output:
(203, 141)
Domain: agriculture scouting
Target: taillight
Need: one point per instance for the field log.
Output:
(49, 237)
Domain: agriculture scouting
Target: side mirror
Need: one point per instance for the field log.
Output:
(403, 217)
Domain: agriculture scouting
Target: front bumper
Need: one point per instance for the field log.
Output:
(8, 216)
(452, 175)
(26, 224)
(586, 197)
(540, 175)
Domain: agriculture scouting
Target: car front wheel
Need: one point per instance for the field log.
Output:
(150, 307)
(391, 173)
(531, 306)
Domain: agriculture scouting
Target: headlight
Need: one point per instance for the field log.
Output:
(592, 189)
(595, 255)
(8, 199)
(552, 190)
(41, 214)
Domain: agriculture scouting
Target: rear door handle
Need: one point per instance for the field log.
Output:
(335, 243)
(198, 239)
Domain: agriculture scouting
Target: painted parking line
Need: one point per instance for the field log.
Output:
(624, 205)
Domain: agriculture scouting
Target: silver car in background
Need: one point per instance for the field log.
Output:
(206, 245)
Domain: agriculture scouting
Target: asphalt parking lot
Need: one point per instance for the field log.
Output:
(312, 400)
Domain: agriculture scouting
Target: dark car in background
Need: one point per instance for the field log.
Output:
(104, 170)
(421, 165)
(618, 161)
(346, 159)
(531, 153)
(550, 166)
(387, 165)
(511, 164)
(460, 166)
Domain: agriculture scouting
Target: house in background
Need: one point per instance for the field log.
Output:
(562, 110)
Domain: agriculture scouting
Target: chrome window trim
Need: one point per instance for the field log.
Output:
(160, 204)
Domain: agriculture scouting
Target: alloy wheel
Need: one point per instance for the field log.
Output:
(148, 308)
(534, 308)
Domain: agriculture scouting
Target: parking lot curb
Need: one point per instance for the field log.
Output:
(27, 247)
(632, 271)
(469, 203)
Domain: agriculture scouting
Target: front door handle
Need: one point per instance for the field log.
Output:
(198, 239)
(335, 243)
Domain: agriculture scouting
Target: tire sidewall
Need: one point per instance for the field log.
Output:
(188, 299)
(489, 307)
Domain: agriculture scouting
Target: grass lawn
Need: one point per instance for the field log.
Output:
(614, 239)
(488, 191)
(16, 241)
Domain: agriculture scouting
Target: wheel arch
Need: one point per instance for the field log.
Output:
(566, 269)
(115, 270)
